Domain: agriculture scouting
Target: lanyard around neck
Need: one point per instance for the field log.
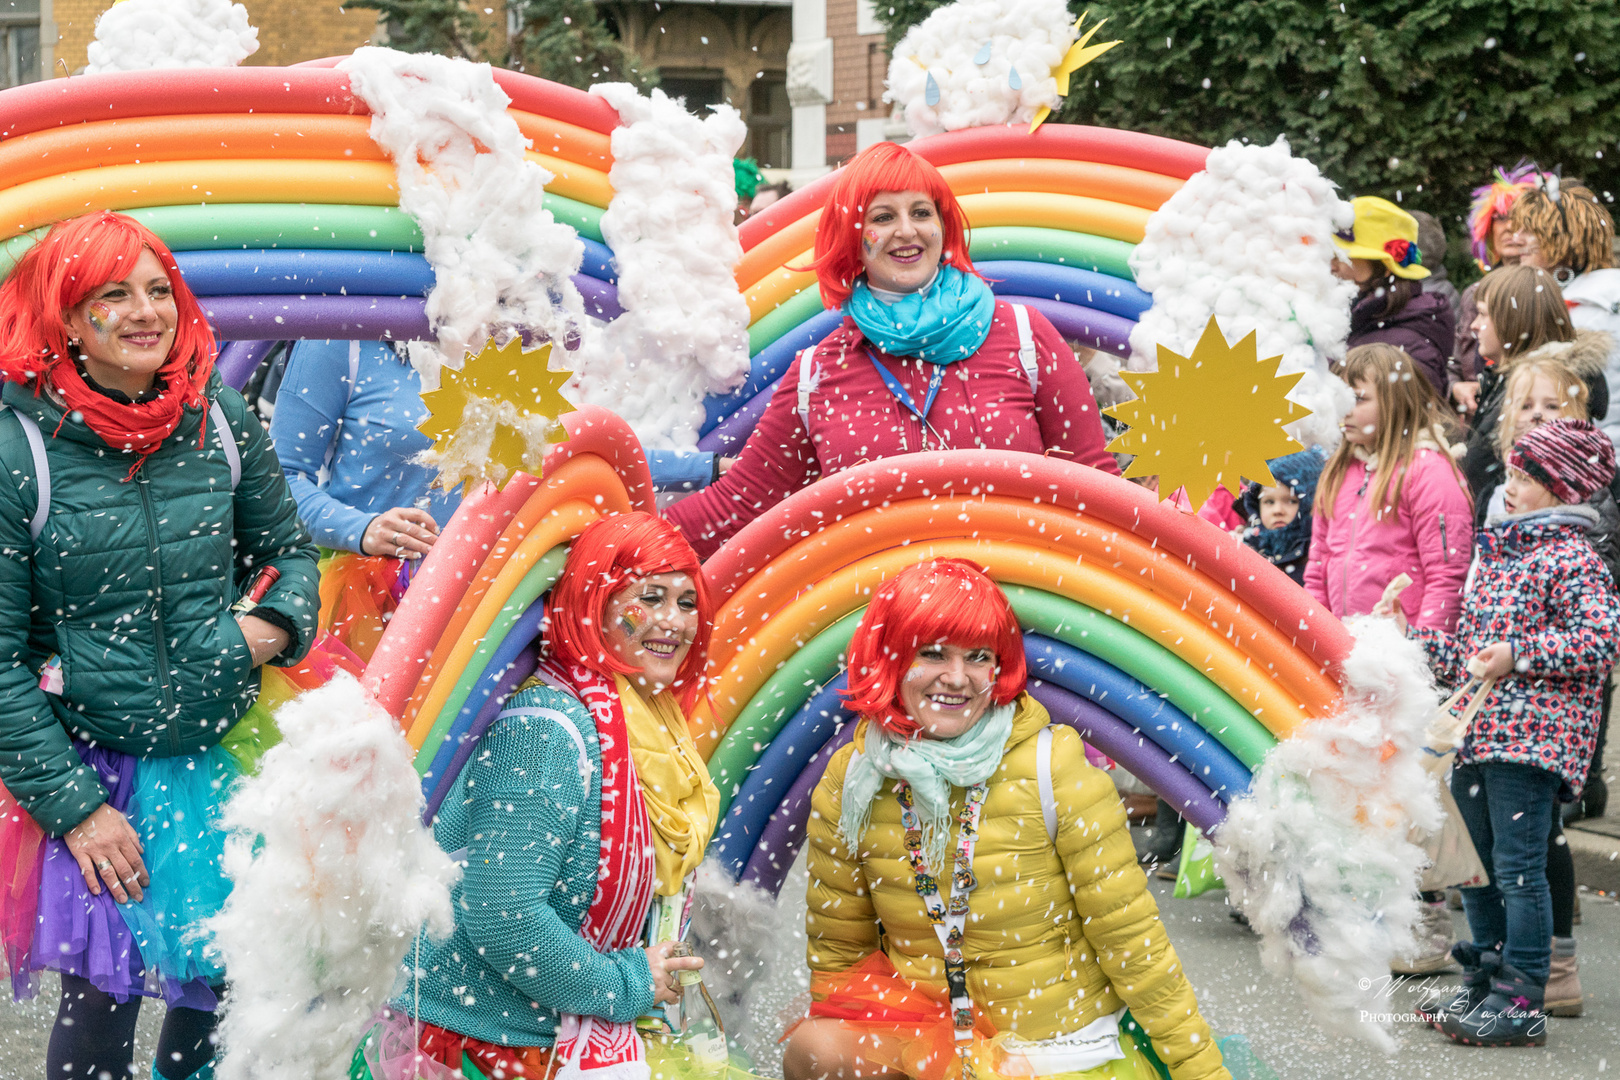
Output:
(903, 396)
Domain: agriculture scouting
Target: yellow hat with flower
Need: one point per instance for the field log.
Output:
(1384, 233)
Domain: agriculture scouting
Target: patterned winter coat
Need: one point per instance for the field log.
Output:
(1538, 585)
(1058, 935)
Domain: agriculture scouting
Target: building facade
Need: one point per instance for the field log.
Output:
(836, 70)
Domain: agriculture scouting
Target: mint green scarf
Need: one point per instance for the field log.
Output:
(932, 767)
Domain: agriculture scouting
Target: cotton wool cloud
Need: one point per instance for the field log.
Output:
(140, 35)
(990, 62)
(502, 263)
(1250, 241)
(670, 223)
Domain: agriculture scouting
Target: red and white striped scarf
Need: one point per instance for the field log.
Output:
(590, 1046)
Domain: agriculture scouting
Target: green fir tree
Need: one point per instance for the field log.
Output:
(1413, 100)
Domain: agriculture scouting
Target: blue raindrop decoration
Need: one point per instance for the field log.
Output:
(982, 57)
(1013, 80)
(931, 91)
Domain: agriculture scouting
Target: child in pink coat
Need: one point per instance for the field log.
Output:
(1390, 500)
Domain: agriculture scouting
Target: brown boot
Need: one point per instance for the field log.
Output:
(1563, 980)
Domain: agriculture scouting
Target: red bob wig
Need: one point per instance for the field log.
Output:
(884, 166)
(77, 257)
(947, 600)
(605, 558)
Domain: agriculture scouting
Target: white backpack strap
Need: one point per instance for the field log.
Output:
(1043, 772)
(1027, 355)
(42, 471)
(354, 367)
(227, 439)
(807, 383)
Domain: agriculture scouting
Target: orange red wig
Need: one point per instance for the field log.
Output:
(884, 166)
(607, 557)
(946, 601)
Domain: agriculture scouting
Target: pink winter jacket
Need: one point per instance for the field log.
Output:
(984, 401)
(1429, 538)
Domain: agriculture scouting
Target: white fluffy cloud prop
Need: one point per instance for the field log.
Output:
(1028, 37)
(1250, 241)
(501, 260)
(333, 875)
(140, 35)
(1316, 852)
(684, 331)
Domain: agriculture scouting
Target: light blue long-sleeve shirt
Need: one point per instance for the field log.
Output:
(371, 472)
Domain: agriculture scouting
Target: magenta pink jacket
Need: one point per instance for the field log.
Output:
(984, 401)
(1429, 537)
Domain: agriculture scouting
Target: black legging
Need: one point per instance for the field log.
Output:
(94, 1036)
(1561, 879)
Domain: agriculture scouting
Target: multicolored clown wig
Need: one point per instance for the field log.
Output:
(1575, 231)
(607, 557)
(1494, 202)
(946, 601)
(884, 166)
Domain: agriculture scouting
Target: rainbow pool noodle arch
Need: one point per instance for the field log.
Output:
(284, 214)
(1172, 648)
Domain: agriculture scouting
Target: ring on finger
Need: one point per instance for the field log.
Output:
(104, 865)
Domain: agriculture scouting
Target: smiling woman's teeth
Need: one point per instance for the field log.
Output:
(659, 648)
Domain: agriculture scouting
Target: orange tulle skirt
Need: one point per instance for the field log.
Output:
(359, 594)
(906, 1028)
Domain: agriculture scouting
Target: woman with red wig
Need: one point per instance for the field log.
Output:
(926, 359)
(582, 815)
(154, 559)
(975, 905)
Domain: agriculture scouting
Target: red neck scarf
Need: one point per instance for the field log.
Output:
(589, 1047)
(137, 429)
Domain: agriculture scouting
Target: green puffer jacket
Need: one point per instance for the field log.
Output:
(130, 583)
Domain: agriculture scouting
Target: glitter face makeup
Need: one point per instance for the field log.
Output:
(102, 318)
(633, 618)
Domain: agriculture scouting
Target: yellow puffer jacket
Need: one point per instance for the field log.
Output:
(1057, 935)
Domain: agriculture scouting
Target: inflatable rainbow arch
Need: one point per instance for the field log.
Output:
(1171, 647)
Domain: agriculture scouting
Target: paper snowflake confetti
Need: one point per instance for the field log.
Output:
(495, 416)
(1214, 418)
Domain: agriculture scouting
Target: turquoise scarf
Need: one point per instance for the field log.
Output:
(947, 323)
(932, 767)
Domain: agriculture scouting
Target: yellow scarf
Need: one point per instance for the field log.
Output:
(682, 802)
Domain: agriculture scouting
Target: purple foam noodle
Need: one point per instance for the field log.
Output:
(294, 318)
(239, 359)
(1088, 326)
(365, 318)
(1146, 760)
(506, 685)
(783, 835)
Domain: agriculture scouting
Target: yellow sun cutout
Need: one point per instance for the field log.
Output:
(1210, 419)
(495, 416)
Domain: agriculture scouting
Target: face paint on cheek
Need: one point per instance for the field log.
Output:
(869, 242)
(633, 618)
(102, 318)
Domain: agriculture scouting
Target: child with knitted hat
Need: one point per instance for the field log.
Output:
(1539, 622)
(1279, 518)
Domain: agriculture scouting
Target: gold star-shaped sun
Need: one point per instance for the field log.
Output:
(495, 416)
(1081, 53)
(1213, 418)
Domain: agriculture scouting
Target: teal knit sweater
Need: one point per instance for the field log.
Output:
(530, 827)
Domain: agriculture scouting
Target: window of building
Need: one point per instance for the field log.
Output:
(700, 89)
(769, 114)
(19, 42)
